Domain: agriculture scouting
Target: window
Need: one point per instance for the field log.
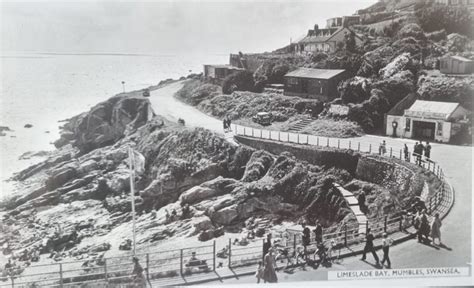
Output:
(439, 130)
(293, 81)
(408, 124)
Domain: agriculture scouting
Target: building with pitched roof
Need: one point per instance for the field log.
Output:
(314, 83)
(219, 72)
(456, 65)
(325, 40)
(425, 120)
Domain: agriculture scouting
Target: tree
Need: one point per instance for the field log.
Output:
(454, 19)
(238, 81)
(350, 42)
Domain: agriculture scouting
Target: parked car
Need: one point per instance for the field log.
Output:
(263, 118)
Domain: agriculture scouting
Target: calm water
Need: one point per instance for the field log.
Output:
(40, 89)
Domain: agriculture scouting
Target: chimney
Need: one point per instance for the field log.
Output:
(316, 28)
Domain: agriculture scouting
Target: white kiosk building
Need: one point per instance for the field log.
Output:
(426, 120)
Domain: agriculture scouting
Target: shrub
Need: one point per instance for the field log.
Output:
(239, 81)
(411, 30)
(277, 73)
(432, 17)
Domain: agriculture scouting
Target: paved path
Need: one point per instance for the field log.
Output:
(165, 104)
(456, 161)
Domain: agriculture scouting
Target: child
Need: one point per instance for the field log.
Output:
(259, 272)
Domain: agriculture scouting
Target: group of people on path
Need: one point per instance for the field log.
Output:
(418, 151)
(425, 229)
(369, 247)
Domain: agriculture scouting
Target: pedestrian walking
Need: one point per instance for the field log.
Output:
(361, 201)
(386, 243)
(269, 274)
(382, 148)
(138, 277)
(406, 153)
(259, 272)
(267, 244)
(318, 233)
(369, 247)
(306, 238)
(427, 150)
(224, 123)
(424, 227)
(436, 229)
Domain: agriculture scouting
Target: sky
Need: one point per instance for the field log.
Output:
(162, 28)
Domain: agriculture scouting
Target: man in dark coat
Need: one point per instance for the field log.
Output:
(427, 150)
(369, 247)
(267, 244)
(318, 232)
(306, 237)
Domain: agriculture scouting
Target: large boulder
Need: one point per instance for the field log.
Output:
(106, 122)
(257, 167)
(226, 215)
(397, 65)
(206, 190)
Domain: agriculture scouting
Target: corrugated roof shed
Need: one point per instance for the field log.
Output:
(315, 73)
(460, 58)
(434, 109)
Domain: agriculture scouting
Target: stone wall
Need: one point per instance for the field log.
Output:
(321, 156)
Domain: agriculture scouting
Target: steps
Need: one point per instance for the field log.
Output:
(354, 205)
(298, 126)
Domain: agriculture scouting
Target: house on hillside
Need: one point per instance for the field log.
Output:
(324, 40)
(426, 120)
(469, 4)
(314, 83)
(219, 72)
(456, 65)
(344, 21)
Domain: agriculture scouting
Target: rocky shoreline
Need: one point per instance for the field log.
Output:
(195, 186)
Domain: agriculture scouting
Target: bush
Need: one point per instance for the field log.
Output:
(411, 30)
(432, 17)
(278, 72)
(239, 81)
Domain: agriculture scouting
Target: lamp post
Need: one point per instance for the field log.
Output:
(123, 86)
(394, 126)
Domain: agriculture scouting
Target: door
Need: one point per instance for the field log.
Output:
(423, 130)
(304, 86)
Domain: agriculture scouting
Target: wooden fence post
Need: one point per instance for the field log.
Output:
(105, 271)
(214, 255)
(385, 223)
(328, 142)
(297, 138)
(317, 141)
(61, 275)
(263, 245)
(148, 267)
(400, 154)
(400, 223)
(181, 263)
(390, 152)
(253, 132)
(230, 253)
(338, 144)
(366, 226)
(261, 133)
(345, 234)
(370, 148)
(294, 243)
(244, 131)
(349, 144)
(279, 136)
(358, 146)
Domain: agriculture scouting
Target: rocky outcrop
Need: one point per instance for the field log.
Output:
(258, 165)
(106, 122)
(397, 65)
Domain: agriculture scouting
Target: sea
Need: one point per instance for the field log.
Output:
(41, 89)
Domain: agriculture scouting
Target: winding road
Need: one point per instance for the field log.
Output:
(456, 162)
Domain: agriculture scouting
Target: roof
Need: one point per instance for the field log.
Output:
(431, 109)
(460, 58)
(227, 66)
(405, 103)
(323, 39)
(314, 73)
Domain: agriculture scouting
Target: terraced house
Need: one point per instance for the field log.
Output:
(325, 40)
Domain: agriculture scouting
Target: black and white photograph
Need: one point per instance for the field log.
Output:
(222, 143)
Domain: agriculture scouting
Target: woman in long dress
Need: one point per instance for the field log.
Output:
(269, 274)
(436, 229)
